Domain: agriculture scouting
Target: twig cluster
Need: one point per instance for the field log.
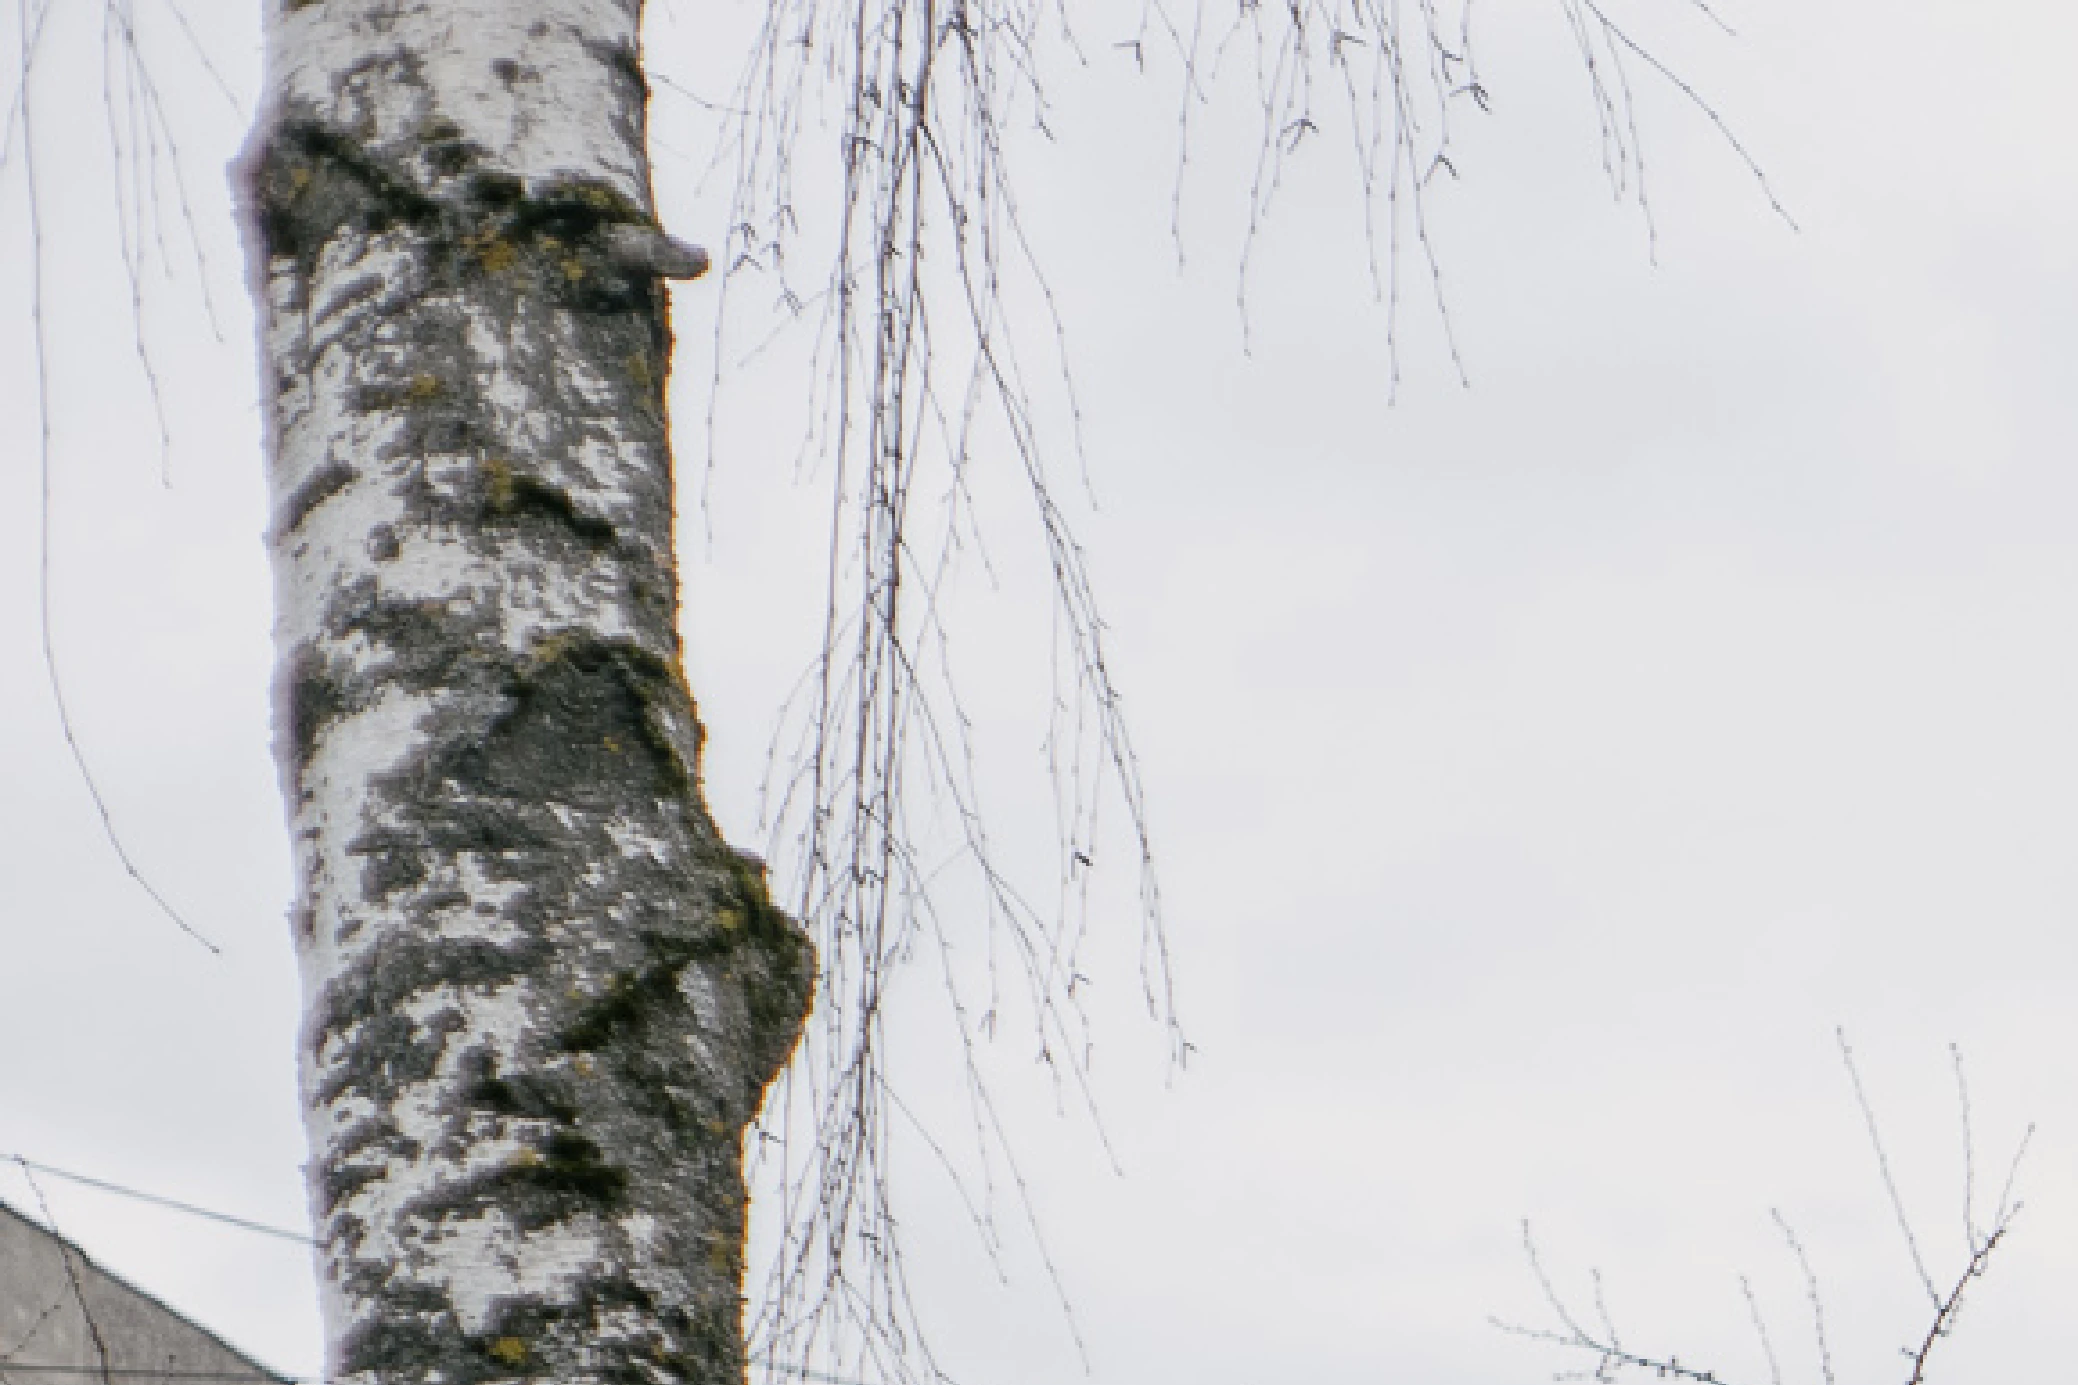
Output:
(147, 172)
(1394, 78)
(1395, 81)
(920, 292)
(1611, 1357)
(918, 380)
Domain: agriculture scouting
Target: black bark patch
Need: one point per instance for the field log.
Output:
(311, 182)
(570, 1163)
(495, 189)
(775, 967)
(565, 1175)
(579, 730)
(571, 210)
(528, 1338)
(528, 1096)
(625, 60)
(321, 485)
(450, 158)
(427, 645)
(310, 697)
(748, 944)
(386, 1050)
(339, 1180)
(388, 872)
(361, 1135)
(413, 1338)
(510, 496)
(630, 997)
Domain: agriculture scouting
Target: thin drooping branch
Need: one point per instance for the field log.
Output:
(1392, 83)
(918, 287)
(145, 165)
(919, 381)
(922, 380)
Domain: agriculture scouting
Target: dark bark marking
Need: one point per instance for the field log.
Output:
(533, 1096)
(385, 1049)
(775, 965)
(558, 1176)
(340, 1179)
(752, 945)
(311, 183)
(579, 729)
(318, 487)
(308, 698)
(531, 503)
(624, 60)
(526, 1339)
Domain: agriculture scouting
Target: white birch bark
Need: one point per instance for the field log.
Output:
(543, 998)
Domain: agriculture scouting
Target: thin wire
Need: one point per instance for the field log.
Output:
(43, 535)
(119, 1190)
(245, 1224)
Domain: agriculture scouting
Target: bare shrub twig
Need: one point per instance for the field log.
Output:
(1611, 1358)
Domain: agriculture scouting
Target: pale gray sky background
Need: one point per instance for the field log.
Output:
(1541, 771)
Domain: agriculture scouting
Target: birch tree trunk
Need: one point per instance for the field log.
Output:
(543, 997)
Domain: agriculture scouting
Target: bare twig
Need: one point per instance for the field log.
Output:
(1944, 1320)
(1390, 83)
(1760, 1330)
(1611, 1357)
(1608, 1351)
(920, 388)
(32, 22)
(1890, 1183)
(1811, 1294)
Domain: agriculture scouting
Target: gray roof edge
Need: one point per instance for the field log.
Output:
(69, 1245)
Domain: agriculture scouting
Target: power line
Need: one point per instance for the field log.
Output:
(190, 1208)
(261, 1228)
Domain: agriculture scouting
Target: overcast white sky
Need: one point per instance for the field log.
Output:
(1541, 771)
